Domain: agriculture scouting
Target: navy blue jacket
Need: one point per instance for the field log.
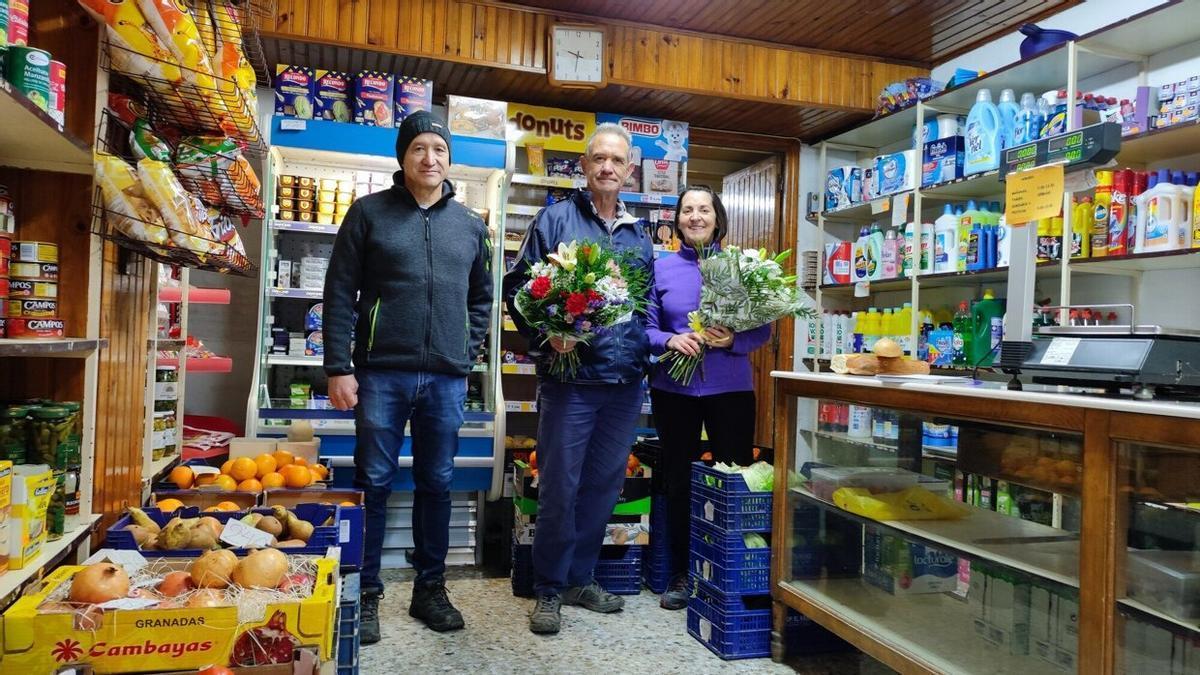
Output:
(618, 355)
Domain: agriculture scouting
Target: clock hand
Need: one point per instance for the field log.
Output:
(577, 55)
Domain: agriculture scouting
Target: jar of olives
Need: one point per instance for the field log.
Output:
(49, 437)
(14, 433)
(158, 438)
(75, 437)
(56, 511)
(170, 435)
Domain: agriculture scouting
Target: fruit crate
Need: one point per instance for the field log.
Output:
(729, 550)
(322, 538)
(351, 519)
(732, 612)
(736, 580)
(728, 644)
(656, 559)
(619, 569)
(724, 501)
(347, 639)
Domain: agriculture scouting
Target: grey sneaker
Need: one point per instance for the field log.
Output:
(546, 617)
(676, 596)
(593, 597)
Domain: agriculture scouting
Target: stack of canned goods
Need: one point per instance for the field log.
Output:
(32, 291)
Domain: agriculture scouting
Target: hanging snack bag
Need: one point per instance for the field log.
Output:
(133, 215)
(134, 47)
(204, 160)
(145, 143)
(373, 93)
(174, 27)
(225, 231)
(332, 100)
(186, 219)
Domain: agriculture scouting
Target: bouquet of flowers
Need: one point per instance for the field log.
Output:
(741, 290)
(583, 290)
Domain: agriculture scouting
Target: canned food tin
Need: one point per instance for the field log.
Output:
(305, 205)
(305, 181)
(305, 216)
(32, 308)
(3, 325)
(28, 69)
(5, 252)
(14, 24)
(35, 252)
(58, 91)
(34, 271)
(286, 191)
(36, 328)
(27, 288)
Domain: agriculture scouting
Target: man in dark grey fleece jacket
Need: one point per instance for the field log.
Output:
(414, 264)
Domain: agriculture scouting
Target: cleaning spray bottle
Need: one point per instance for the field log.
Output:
(1082, 216)
(1118, 213)
(1101, 206)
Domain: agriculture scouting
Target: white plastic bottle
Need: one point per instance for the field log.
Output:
(1187, 194)
(945, 242)
(890, 256)
(1159, 216)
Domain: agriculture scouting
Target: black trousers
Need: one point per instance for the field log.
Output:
(729, 420)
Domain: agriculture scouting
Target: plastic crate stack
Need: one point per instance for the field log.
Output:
(347, 621)
(730, 608)
(618, 571)
(656, 561)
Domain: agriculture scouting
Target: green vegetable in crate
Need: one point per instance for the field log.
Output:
(50, 437)
(754, 540)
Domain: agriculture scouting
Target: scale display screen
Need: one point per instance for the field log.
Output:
(1065, 148)
(1090, 146)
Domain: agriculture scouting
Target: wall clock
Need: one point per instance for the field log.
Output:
(576, 56)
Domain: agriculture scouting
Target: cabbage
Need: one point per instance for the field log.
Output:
(754, 540)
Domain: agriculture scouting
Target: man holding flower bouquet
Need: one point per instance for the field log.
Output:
(577, 293)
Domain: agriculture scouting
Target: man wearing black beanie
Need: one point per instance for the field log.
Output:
(414, 264)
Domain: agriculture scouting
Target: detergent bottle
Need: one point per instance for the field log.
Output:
(987, 315)
(1158, 215)
(875, 253)
(1187, 190)
(945, 242)
(1009, 112)
(966, 222)
(982, 151)
(860, 268)
(1026, 128)
(1081, 227)
(1044, 112)
(1195, 224)
(890, 257)
(964, 335)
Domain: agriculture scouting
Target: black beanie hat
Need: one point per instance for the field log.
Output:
(416, 124)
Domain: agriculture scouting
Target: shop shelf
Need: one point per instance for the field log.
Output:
(64, 347)
(520, 406)
(196, 296)
(986, 184)
(862, 212)
(518, 368)
(548, 181)
(509, 326)
(31, 139)
(649, 199)
(309, 228)
(1139, 610)
(295, 360)
(933, 630)
(1155, 145)
(523, 209)
(213, 364)
(165, 345)
(297, 293)
(1024, 545)
(512, 246)
(160, 467)
(1142, 262)
(901, 284)
(77, 529)
(860, 442)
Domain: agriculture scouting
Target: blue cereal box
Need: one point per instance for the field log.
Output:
(373, 95)
(332, 96)
(942, 161)
(412, 94)
(294, 91)
(843, 187)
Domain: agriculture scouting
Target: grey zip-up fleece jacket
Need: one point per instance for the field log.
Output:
(420, 282)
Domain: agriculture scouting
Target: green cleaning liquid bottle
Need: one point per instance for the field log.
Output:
(987, 315)
(964, 336)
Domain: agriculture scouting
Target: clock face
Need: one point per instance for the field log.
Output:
(578, 54)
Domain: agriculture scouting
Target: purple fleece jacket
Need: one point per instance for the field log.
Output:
(676, 292)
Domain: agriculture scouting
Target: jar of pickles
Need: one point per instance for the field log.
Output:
(158, 438)
(56, 511)
(75, 437)
(170, 436)
(14, 433)
(49, 436)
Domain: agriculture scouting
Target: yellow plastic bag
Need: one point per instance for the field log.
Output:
(138, 51)
(174, 26)
(914, 503)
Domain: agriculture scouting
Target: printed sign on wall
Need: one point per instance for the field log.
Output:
(555, 129)
(653, 139)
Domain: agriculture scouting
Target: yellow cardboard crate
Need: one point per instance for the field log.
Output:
(156, 640)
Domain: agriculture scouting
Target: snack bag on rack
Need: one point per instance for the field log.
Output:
(134, 47)
(225, 231)
(237, 81)
(133, 215)
(185, 217)
(174, 26)
(208, 159)
(145, 143)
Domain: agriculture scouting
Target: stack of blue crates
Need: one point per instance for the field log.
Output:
(618, 571)
(347, 622)
(656, 561)
(730, 609)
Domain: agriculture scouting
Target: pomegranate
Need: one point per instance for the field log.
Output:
(175, 583)
(267, 644)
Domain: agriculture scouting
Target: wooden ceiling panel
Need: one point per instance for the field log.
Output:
(918, 31)
(714, 112)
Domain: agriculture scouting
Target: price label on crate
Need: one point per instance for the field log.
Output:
(240, 535)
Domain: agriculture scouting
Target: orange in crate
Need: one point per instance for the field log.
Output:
(273, 480)
(264, 464)
(250, 485)
(226, 483)
(300, 461)
(182, 477)
(169, 505)
(321, 470)
(227, 466)
(206, 479)
(227, 506)
(243, 468)
(282, 459)
(296, 476)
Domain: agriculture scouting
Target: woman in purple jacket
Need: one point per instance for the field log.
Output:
(720, 397)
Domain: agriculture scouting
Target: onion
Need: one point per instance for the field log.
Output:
(208, 597)
(175, 583)
(264, 568)
(214, 569)
(99, 583)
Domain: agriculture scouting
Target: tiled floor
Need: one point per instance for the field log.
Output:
(642, 638)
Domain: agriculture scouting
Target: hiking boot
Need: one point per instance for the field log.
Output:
(593, 597)
(431, 604)
(677, 593)
(368, 616)
(546, 617)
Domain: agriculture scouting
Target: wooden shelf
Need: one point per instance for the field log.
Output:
(1023, 545)
(518, 368)
(64, 347)
(295, 360)
(1159, 144)
(31, 139)
(933, 631)
(76, 531)
(975, 186)
(1143, 262)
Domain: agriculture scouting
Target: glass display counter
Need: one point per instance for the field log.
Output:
(946, 528)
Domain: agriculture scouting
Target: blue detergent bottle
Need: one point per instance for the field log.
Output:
(1009, 112)
(1025, 129)
(983, 135)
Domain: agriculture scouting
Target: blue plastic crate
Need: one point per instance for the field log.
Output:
(656, 575)
(737, 613)
(748, 580)
(709, 478)
(727, 549)
(323, 536)
(656, 559)
(522, 570)
(619, 569)
(348, 621)
(728, 644)
(732, 511)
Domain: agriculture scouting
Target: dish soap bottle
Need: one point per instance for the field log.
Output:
(860, 270)
(875, 253)
(982, 151)
(964, 334)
